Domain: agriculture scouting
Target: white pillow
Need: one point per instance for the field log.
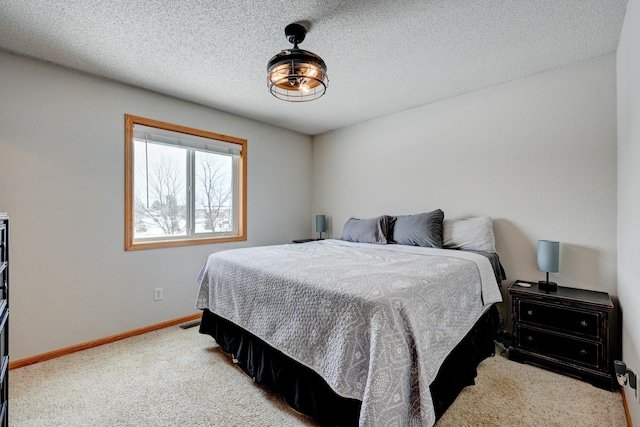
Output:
(474, 234)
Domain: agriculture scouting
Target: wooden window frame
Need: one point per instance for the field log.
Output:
(130, 243)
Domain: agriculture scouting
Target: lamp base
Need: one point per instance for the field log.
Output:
(547, 286)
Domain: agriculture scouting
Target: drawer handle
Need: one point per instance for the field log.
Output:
(530, 312)
(529, 338)
(584, 323)
(583, 352)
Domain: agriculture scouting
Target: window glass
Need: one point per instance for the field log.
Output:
(213, 193)
(160, 190)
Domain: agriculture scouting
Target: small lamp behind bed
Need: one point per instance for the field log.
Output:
(320, 225)
(548, 261)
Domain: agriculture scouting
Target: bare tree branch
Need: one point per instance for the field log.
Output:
(166, 189)
(217, 191)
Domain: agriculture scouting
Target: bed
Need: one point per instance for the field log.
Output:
(356, 332)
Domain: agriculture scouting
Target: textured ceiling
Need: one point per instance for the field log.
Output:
(383, 56)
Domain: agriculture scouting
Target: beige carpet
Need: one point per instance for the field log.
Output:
(178, 377)
(513, 394)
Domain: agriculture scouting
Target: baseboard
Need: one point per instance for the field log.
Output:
(626, 408)
(95, 343)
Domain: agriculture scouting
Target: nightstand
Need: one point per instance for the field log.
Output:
(305, 240)
(567, 331)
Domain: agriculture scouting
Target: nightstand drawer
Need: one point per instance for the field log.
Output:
(560, 318)
(560, 346)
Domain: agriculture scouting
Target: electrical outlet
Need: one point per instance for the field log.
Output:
(157, 294)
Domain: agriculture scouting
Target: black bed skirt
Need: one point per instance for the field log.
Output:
(309, 394)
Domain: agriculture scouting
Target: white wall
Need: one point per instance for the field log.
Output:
(538, 155)
(62, 183)
(628, 193)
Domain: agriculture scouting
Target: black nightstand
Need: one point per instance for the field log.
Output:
(567, 331)
(305, 240)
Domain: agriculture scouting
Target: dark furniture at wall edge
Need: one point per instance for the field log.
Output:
(4, 319)
(568, 331)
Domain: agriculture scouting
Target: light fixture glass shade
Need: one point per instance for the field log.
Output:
(320, 223)
(548, 256)
(296, 75)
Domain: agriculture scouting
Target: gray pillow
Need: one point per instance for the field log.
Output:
(370, 230)
(423, 229)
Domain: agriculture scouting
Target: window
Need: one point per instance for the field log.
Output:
(183, 186)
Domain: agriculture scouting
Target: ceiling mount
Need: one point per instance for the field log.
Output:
(297, 75)
(295, 34)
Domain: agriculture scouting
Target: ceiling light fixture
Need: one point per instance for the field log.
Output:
(297, 75)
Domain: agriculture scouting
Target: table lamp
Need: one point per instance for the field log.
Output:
(549, 262)
(320, 224)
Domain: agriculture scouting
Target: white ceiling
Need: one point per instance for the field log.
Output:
(383, 56)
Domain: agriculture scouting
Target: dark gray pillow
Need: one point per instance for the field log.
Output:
(423, 229)
(370, 230)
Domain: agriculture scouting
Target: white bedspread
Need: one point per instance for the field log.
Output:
(375, 321)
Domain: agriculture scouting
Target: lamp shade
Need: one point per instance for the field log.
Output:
(549, 256)
(320, 226)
